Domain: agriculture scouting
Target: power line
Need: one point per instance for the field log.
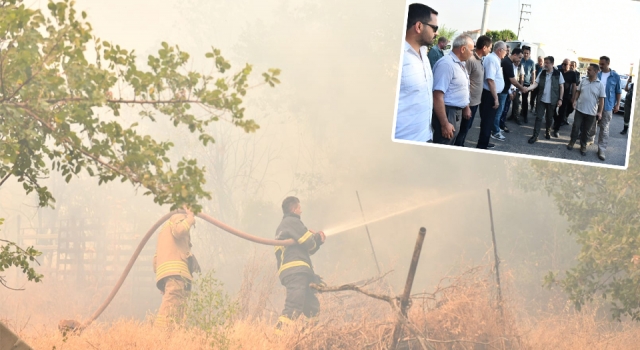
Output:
(522, 12)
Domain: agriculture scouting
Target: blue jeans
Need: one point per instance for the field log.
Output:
(465, 126)
(502, 98)
(505, 111)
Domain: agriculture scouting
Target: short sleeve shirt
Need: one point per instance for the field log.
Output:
(569, 80)
(493, 71)
(508, 73)
(527, 67)
(476, 76)
(450, 76)
(590, 93)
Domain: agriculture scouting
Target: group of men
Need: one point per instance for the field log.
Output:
(174, 266)
(439, 97)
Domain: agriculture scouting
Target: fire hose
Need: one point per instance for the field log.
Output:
(79, 327)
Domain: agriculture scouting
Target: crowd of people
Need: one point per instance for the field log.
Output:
(440, 94)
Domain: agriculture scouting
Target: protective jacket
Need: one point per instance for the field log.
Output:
(295, 258)
(173, 252)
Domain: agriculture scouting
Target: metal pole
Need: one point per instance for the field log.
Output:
(495, 254)
(368, 235)
(485, 17)
(404, 299)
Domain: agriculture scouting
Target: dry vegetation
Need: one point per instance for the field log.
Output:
(460, 314)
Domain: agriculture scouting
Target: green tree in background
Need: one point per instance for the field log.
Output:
(501, 35)
(62, 93)
(603, 208)
(448, 33)
(443, 31)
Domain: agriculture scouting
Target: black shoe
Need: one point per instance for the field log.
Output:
(555, 134)
(533, 139)
(570, 145)
(491, 145)
(565, 123)
(583, 150)
(518, 121)
(526, 120)
(547, 135)
(601, 155)
(505, 129)
(624, 131)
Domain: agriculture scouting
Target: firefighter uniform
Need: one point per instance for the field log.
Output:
(171, 265)
(295, 269)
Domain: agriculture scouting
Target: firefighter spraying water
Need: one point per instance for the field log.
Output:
(294, 244)
(295, 269)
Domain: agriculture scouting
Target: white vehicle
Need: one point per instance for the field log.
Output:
(536, 49)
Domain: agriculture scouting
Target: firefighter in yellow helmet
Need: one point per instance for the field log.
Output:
(294, 264)
(174, 265)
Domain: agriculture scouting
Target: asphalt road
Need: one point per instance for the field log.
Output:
(516, 141)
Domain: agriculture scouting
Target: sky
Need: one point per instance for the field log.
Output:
(587, 26)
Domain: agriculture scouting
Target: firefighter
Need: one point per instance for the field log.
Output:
(174, 266)
(295, 269)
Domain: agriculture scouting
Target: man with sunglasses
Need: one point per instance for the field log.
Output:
(613, 89)
(415, 98)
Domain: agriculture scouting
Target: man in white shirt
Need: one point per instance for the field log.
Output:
(415, 98)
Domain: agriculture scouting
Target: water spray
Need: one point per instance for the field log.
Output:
(350, 226)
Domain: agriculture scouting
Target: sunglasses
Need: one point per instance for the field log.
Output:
(435, 28)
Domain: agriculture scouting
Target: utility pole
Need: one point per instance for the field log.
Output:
(485, 17)
(522, 12)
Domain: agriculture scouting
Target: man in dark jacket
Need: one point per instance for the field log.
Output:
(294, 264)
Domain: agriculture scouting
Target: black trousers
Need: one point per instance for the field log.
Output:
(534, 95)
(301, 299)
(525, 104)
(563, 113)
(627, 111)
(543, 110)
(581, 125)
(487, 118)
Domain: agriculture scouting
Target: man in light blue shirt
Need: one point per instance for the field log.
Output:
(415, 97)
(451, 91)
(493, 83)
(612, 88)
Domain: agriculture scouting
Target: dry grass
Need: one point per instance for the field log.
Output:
(460, 314)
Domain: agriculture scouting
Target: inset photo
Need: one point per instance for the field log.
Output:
(518, 79)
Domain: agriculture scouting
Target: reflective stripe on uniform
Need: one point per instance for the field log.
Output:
(305, 237)
(292, 264)
(285, 320)
(173, 268)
